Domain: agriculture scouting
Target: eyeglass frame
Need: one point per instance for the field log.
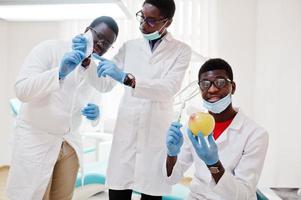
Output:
(145, 19)
(101, 40)
(213, 82)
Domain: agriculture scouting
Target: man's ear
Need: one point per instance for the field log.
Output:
(168, 23)
(233, 84)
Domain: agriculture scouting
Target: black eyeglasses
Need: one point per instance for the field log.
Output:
(218, 83)
(150, 21)
(101, 39)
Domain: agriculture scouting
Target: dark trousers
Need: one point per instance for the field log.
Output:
(127, 195)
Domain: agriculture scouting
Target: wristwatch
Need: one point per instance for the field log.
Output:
(86, 62)
(129, 80)
(216, 168)
(217, 171)
(213, 170)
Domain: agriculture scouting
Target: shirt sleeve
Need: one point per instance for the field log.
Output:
(37, 78)
(165, 88)
(242, 185)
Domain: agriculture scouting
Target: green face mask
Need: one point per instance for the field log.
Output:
(154, 35)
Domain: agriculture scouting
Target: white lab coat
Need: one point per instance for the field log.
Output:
(242, 148)
(50, 113)
(138, 147)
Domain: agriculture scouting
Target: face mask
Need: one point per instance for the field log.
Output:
(154, 35)
(218, 106)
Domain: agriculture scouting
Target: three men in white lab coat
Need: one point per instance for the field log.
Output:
(153, 68)
(229, 162)
(54, 88)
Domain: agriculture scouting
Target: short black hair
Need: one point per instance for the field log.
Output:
(108, 21)
(167, 7)
(214, 64)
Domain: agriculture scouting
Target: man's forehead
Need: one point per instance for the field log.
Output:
(100, 27)
(105, 30)
(150, 10)
(214, 73)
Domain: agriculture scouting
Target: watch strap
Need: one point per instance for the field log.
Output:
(129, 80)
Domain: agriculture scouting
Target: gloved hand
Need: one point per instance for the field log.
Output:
(69, 62)
(79, 43)
(107, 67)
(91, 111)
(209, 154)
(174, 139)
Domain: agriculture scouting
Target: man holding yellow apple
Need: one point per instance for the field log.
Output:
(228, 162)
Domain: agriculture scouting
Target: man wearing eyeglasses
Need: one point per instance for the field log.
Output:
(152, 68)
(229, 161)
(54, 88)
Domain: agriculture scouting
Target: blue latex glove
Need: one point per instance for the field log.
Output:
(174, 139)
(108, 68)
(69, 62)
(209, 154)
(79, 43)
(91, 111)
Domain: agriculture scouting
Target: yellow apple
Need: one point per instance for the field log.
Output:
(201, 121)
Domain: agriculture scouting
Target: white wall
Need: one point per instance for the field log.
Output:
(232, 37)
(262, 41)
(22, 37)
(277, 93)
(4, 111)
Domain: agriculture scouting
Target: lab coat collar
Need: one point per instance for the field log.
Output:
(238, 120)
(168, 37)
(235, 125)
(146, 48)
(164, 43)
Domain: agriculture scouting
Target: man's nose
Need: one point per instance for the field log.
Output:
(143, 26)
(212, 88)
